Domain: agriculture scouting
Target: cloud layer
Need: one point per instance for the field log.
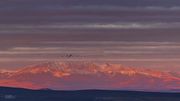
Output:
(145, 33)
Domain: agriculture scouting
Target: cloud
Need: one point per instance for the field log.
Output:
(45, 52)
(127, 25)
(35, 48)
(95, 47)
(93, 51)
(121, 8)
(112, 42)
(100, 8)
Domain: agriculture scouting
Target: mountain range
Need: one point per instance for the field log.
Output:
(88, 75)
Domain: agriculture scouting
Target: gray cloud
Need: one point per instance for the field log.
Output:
(127, 25)
(101, 7)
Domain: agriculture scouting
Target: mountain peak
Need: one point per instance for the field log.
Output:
(60, 69)
(87, 75)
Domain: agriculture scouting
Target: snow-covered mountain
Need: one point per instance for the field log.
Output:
(87, 75)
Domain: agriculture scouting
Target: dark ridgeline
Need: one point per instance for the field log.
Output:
(17, 94)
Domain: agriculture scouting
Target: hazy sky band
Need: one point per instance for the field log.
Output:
(99, 51)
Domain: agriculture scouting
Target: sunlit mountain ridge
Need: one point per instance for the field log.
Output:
(88, 75)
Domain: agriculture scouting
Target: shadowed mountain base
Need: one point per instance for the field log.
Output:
(16, 94)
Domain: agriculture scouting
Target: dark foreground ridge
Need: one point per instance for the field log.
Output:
(18, 94)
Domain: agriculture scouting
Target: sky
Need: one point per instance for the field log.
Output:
(141, 33)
